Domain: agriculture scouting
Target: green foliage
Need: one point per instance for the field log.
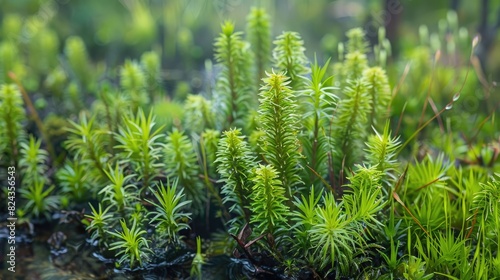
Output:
(319, 103)
(133, 82)
(119, 192)
(428, 178)
(383, 49)
(131, 245)
(150, 62)
(350, 124)
(415, 269)
(486, 201)
(112, 107)
(355, 62)
(198, 261)
(75, 95)
(259, 36)
(448, 253)
(289, 57)
(74, 181)
(279, 121)
(487, 204)
(33, 162)
(305, 216)
(10, 61)
(334, 238)
(78, 60)
(11, 26)
(234, 164)
(11, 118)
(199, 115)
(381, 152)
(256, 141)
(169, 214)
(337, 230)
(233, 92)
(55, 129)
(379, 93)
(356, 41)
(430, 214)
(181, 164)
(43, 51)
(304, 179)
(169, 113)
(363, 200)
(269, 212)
(99, 223)
(393, 233)
(87, 143)
(354, 65)
(140, 147)
(40, 200)
(209, 142)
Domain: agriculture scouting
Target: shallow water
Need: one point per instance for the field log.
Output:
(78, 259)
(34, 259)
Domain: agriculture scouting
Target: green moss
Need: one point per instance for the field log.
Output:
(352, 167)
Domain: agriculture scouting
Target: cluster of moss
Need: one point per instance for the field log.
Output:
(296, 157)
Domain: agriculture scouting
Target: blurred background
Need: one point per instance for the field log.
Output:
(183, 31)
(66, 51)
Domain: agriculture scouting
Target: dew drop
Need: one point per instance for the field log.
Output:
(456, 96)
(449, 106)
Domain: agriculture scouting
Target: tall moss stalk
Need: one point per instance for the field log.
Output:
(280, 123)
(233, 95)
